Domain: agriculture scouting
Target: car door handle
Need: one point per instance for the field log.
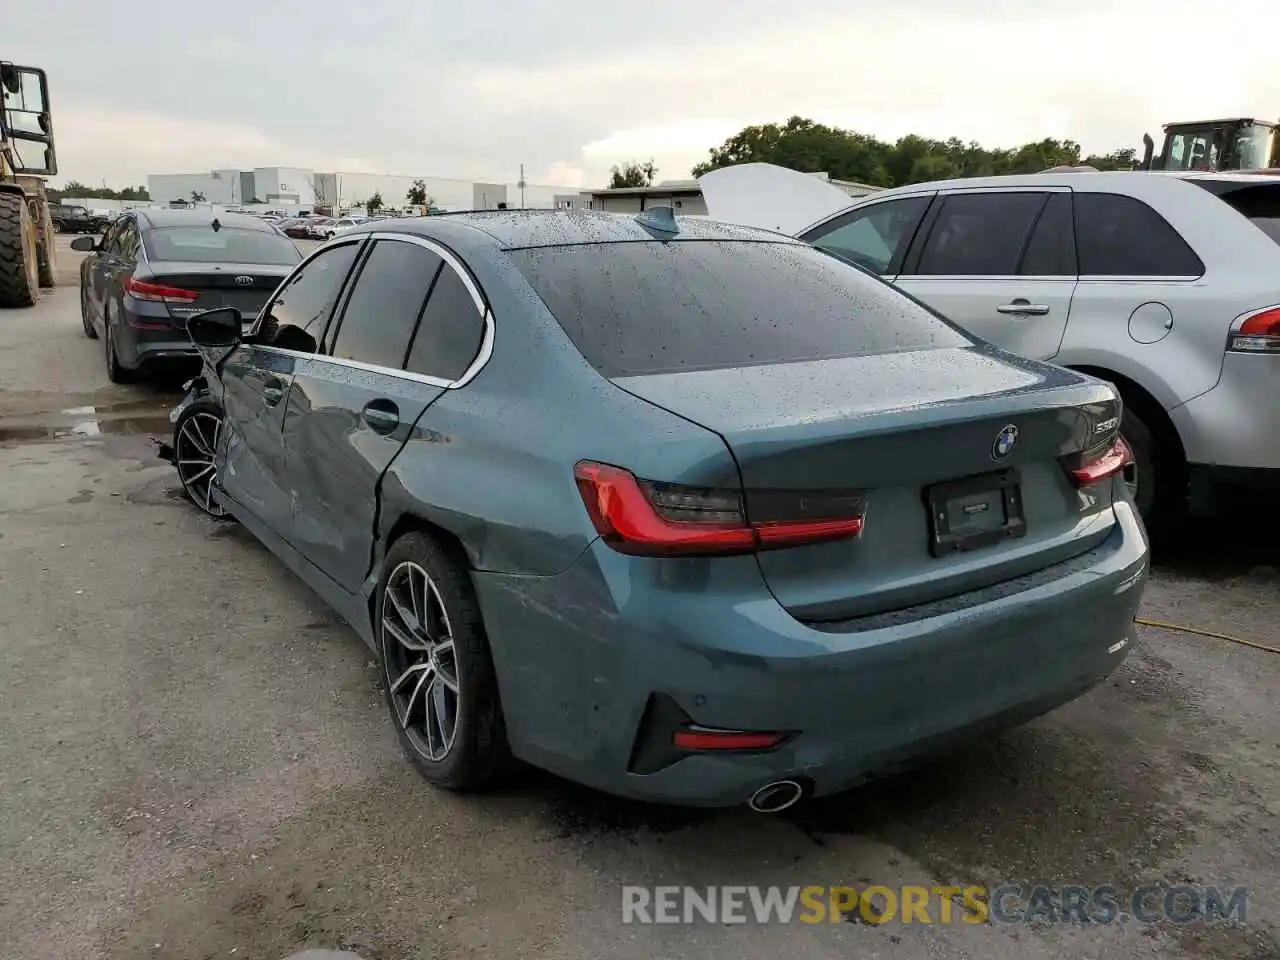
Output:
(382, 416)
(1024, 308)
(272, 392)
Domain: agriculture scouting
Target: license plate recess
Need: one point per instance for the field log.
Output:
(975, 512)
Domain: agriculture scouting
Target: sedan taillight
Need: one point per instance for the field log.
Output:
(649, 518)
(1102, 463)
(158, 292)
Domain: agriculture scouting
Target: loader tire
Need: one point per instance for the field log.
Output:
(47, 255)
(19, 269)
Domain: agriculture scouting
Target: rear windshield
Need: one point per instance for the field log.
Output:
(229, 245)
(648, 307)
(1260, 202)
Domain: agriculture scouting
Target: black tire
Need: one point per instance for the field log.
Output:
(47, 254)
(44, 268)
(89, 330)
(19, 267)
(479, 753)
(1160, 477)
(116, 371)
(193, 441)
(59, 226)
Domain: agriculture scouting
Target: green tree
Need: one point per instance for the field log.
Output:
(75, 188)
(633, 174)
(1115, 160)
(374, 203)
(197, 196)
(811, 147)
(417, 194)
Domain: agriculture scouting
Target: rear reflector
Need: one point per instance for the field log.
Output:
(648, 518)
(1260, 333)
(701, 738)
(158, 293)
(1109, 461)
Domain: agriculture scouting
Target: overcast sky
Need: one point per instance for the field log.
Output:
(570, 87)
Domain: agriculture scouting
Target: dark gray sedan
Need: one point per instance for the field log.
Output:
(154, 268)
(685, 511)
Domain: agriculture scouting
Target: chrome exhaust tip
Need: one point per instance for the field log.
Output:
(776, 797)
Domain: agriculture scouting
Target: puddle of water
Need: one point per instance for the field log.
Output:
(128, 418)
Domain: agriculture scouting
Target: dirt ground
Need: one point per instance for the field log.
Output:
(196, 761)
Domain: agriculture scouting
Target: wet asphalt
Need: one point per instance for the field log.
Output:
(195, 759)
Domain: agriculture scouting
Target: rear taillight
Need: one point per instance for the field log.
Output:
(1260, 333)
(647, 518)
(1102, 463)
(158, 292)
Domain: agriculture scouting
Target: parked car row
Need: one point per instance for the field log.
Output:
(1163, 284)
(686, 511)
(319, 228)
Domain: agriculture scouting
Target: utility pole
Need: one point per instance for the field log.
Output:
(521, 185)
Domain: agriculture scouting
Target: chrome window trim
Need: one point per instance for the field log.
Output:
(963, 189)
(1083, 278)
(1141, 278)
(486, 315)
(1002, 277)
(357, 365)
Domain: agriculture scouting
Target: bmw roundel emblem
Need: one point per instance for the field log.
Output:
(1005, 441)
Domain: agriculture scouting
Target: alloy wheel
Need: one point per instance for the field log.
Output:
(194, 453)
(421, 663)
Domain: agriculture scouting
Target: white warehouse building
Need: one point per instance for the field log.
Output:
(287, 185)
(299, 187)
(216, 186)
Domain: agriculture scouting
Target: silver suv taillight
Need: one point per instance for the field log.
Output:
(1258, 332)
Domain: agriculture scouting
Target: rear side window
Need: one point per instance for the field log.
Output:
(1260, 204)
(875, 237)
(980, 234)
(382, 311)
(228, 245)
(449, 335)
(1119, 236)
(646, 308)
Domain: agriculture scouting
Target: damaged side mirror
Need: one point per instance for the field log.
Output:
(216, 328)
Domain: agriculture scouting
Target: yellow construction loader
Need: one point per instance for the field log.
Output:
(1233, 143)
(26, 157)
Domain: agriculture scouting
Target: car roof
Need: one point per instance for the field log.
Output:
(521, 229)
(158, 217)
(1119, 181)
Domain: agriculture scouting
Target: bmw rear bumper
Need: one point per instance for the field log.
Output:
(580, 657)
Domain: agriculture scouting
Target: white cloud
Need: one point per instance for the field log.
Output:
(434, 91)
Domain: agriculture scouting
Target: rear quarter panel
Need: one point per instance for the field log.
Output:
(492, 462)
(1242, 271)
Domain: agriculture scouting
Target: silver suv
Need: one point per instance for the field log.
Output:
(1167, 285)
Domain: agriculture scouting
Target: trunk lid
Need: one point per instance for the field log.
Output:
(245, 286)
(770, 197)
(916, 434)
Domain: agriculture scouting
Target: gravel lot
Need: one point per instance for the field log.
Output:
(196, 761)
